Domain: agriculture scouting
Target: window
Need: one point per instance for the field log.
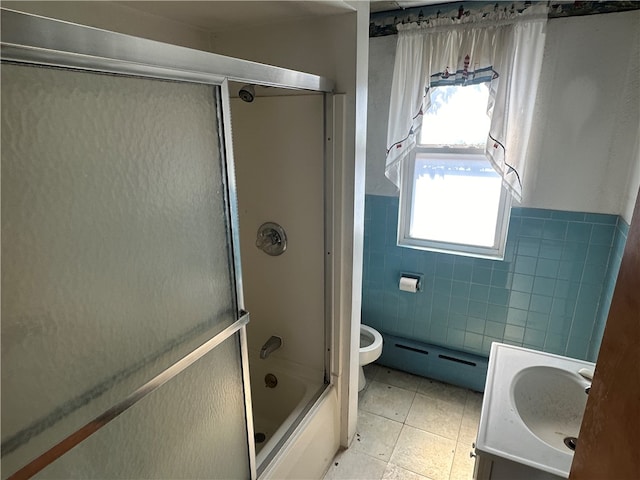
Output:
(452, 200)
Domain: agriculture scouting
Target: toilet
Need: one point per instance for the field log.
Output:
(370, 350)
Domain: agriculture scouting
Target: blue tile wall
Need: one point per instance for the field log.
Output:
(610, 277)
(551, 292)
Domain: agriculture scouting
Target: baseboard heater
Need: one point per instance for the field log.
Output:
(444, 364)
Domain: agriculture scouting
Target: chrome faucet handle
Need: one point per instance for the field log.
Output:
(271, 239)
(586, 373)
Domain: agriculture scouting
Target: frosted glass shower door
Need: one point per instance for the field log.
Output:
(117, 262)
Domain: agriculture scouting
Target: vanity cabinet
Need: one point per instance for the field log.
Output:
(489, 467)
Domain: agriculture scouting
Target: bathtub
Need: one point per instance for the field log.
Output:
(276, 410)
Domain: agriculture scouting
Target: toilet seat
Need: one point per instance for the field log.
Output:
(370, 352)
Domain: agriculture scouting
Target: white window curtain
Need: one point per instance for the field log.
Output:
(505, 47)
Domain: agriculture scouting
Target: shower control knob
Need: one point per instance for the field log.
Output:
(271, 239)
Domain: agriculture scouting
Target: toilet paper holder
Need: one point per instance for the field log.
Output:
(405, 285)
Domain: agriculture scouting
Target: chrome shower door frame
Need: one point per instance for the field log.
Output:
(39, 41)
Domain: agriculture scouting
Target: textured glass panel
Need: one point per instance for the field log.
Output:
(115, 252)
(191, 427)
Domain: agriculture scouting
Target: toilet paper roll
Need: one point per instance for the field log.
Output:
(409, 284)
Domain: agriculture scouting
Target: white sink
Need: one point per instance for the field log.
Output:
(532, 402)
(550, 401)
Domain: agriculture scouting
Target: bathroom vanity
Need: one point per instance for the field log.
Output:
(531, 414)
(497, 468)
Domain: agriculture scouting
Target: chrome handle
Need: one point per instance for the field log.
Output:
(271, 239)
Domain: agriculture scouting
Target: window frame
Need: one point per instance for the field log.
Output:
(408, 181)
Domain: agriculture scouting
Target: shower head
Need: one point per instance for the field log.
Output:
(247, 93)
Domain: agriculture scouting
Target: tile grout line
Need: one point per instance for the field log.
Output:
(464, 410)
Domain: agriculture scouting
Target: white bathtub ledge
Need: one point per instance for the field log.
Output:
(311, 448)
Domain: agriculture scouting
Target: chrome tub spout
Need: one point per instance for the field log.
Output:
(270, 346)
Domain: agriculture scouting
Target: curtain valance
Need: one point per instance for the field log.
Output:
(503, 49)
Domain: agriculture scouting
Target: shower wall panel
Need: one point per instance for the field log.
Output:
(279, 157)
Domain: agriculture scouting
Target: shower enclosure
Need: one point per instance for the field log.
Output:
(124, 346)
(278, 157)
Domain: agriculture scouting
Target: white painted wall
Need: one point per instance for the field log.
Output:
(583, 146)
(382, 54)
(633, 187)
(586, 123)
(119, 18)
(323, 46)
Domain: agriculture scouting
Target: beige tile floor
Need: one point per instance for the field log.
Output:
(410, 427)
